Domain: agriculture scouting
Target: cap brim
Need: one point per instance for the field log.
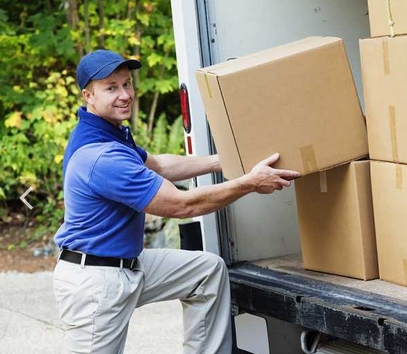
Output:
(132, 64)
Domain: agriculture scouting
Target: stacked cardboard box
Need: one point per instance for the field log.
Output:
(387, 17)
(384, 73)
(336, 221)
(300, 99)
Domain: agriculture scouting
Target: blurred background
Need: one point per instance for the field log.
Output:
(41, 43)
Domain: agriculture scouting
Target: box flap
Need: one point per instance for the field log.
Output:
(217, 115)
(275, 53)
(365, 207)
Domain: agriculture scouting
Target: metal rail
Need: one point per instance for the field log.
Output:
(368, 319)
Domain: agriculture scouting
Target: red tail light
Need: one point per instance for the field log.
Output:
(186, 118)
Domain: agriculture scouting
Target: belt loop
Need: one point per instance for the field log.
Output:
(59, 255)
(83, 259)
(121, 264)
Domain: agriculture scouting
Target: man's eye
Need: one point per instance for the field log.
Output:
(111, 88)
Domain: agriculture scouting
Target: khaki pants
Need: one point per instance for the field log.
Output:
(96, 303)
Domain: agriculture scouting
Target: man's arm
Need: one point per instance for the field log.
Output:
(177, 168)
(171, 202)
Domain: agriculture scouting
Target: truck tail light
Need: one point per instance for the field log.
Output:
(186, 117)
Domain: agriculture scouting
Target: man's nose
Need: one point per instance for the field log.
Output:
(124, 94)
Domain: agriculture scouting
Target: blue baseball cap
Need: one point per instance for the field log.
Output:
(100, 64)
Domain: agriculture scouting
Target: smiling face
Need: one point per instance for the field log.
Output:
(111, 98)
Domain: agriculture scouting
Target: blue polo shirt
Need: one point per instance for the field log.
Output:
(106, 188)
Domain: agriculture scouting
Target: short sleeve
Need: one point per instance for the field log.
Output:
(119, 174)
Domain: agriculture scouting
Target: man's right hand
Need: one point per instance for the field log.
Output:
(267, 179)
(263, 178)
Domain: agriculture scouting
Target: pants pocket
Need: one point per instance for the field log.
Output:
(78, 292)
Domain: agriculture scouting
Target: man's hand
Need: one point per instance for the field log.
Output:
(171, 202)
(267, 179)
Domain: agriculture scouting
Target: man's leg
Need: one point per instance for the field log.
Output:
(200, 280)
(95, 304)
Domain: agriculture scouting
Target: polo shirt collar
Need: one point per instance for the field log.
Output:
(100, 123)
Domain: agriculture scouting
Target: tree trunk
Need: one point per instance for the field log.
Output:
(153, 109)
(73, 20)
(136, 53)
(87, 29)
(101, 38)
(154, 104)
(48, 6)
(72, 14)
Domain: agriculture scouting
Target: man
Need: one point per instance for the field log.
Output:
(103, 273)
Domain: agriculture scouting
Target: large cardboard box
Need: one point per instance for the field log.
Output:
(298, 99)
(389, 190)
(384, 75)
(382, 13)
(336, 221)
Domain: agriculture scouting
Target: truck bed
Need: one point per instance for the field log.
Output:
(371, 313)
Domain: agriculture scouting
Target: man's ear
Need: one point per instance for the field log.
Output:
(87, 96)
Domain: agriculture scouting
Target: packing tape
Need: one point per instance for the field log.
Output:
(208, 87)
(386, 60)
(323, 184)
(390, 18)
(393, 134)
(399, 177)
(308, 158)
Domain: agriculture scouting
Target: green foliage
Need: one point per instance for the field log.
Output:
(41, 43)
(165, 138)
(32, 145)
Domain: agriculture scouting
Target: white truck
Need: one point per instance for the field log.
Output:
(277, 306)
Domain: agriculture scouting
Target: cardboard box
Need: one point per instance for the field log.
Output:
(298, 99)
(384, 12)
(336, 221)
(389, 190)
(384, 75)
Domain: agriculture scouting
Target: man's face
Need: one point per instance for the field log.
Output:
(111, 98)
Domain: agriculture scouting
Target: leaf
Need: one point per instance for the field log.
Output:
(133, 40)
(2, 194)
(21, 138)
(61, 91)
(14, 120)
(58, 159)
(49, 114)
(27, 177)
(154, 59)
(160, 138)
(165, 86)
(176, 137)
(11, 247)
(144, 19)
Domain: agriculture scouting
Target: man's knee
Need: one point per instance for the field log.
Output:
(214, 262)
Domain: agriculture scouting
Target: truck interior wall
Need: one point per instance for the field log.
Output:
(267, 226)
